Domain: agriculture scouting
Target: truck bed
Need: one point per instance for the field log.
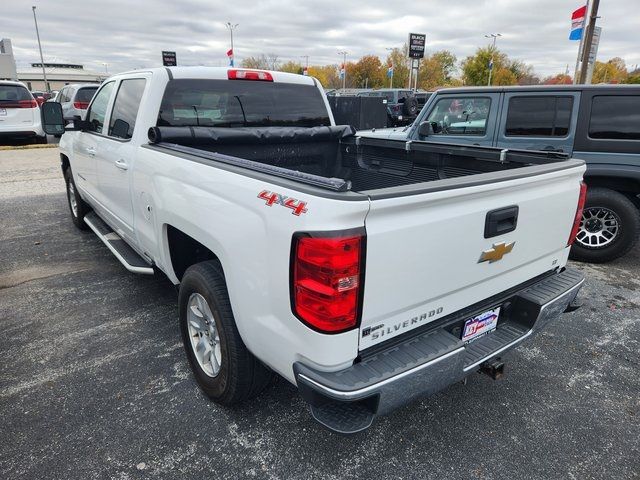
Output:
(335, 153)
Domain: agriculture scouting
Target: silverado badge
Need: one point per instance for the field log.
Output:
(496, 252)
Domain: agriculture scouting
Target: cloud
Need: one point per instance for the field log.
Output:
(128, 35)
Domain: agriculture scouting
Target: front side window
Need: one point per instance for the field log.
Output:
(460, 116)
(241, 103)
(539, 116)
(125, 108)
(615, 117)
(98, 110)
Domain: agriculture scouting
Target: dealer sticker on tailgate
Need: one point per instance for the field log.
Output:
(480, 325)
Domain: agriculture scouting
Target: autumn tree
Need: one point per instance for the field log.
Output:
(437, 70)
(560, 79)
(368, 72)
(612, 71)
(327, 75)
(475, 68)
(398, 58)
(292, 67)
(262, 62)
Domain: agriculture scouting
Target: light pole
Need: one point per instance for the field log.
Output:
(493, 49)
(231, 28)
(306, 65)
(392, 68)
(44, 73)
(106, 68)
(344, 67)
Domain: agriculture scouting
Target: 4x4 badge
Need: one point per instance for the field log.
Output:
(496, 252)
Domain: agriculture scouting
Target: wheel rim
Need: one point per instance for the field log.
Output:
(71, 191)
(203, 334)
(598, 228)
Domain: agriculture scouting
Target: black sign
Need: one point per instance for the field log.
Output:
(169, 59)
(416, 45)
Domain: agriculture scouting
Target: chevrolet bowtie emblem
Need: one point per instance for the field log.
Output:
(496, 252)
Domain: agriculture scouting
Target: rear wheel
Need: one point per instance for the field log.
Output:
(223, 366)
(78, 207)
(609, 228)
(41, 140)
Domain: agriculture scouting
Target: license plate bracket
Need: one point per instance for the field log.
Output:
(480, 325)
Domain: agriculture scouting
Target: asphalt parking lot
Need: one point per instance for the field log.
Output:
(94, 382)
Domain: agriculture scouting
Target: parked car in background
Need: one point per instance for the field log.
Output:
(75, 99)
(19, 114)
(402, 104)
(422, 98)
(41, 97)
(596, 123)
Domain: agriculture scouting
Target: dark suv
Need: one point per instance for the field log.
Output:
(402, 104)
(599, 124)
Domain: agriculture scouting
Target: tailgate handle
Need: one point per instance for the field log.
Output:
(501, 221)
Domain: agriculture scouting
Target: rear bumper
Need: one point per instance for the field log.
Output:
(347, 401)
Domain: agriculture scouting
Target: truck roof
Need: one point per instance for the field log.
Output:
(220, 73)
(537, 88)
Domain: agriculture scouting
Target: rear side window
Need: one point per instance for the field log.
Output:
(85, 94)
(615, 117)
(125, 108)
(241, 103)
(98, 110)
(13, 93)
(539, 116)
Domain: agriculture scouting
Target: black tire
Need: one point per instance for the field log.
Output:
(82, 207)
(410, 106)
(242, 376)
(41, 140)
(628, 218)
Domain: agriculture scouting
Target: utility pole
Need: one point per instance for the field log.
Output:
(231, 28)
(588, 41)
(579, 56)
(344, 66)
(44, 73)
(493, 50)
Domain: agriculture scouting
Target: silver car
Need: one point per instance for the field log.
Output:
(75, 99)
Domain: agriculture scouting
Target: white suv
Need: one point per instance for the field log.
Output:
(75, 99)
(19, 113)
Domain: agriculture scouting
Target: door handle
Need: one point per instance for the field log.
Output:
(501, 221)
(121, 164)
(90, 151)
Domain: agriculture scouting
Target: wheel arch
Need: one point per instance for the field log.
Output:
(184, 251)
(64, 163)
(629, 187)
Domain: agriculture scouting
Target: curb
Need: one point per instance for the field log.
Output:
(27, 147)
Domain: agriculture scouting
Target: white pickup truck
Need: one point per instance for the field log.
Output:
(368, 272)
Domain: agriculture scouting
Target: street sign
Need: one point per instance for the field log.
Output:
(594, 44)
(169, 59)
(416, 45)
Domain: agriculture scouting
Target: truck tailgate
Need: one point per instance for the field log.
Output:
(424, 251)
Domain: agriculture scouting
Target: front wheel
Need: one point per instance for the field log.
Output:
(609, 228)
(78, 207)
(223, 366)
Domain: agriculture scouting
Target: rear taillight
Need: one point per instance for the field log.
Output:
(578, 218)
(249, 75)
(327, 280)
(81, 105)
(27, 104)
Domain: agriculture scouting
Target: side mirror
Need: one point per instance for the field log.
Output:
(52, 119)
(425, 129)
(120, 129)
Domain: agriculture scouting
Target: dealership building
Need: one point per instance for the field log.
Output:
(58, 75)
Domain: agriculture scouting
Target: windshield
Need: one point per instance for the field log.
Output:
(85, 94)
(241, 103)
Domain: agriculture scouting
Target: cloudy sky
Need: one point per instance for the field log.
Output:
(131, 34)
